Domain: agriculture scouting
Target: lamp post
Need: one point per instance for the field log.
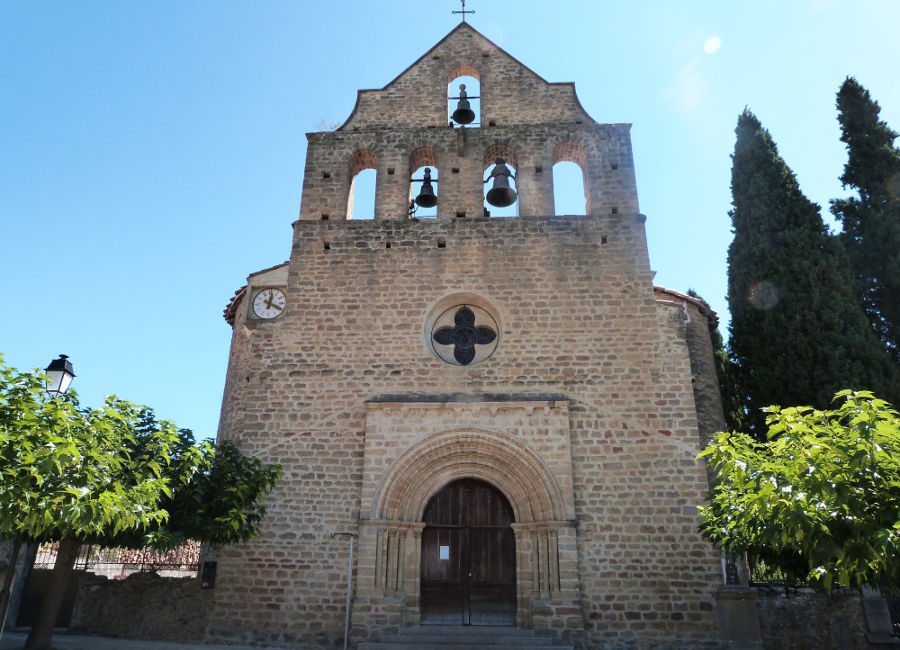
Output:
(59, 376)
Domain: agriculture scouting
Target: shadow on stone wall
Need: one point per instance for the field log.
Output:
(810, 619)
(143, 606)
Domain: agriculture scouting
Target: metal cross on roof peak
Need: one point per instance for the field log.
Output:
(463, 12)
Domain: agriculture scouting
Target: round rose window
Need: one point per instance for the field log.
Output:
(462, 330)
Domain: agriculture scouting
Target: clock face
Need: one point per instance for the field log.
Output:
(269, 303)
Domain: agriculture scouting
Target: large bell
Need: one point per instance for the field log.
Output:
(463, 113)
(501, 194)
(427, 197)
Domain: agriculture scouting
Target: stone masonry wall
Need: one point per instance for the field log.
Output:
(5, 555)
(510, 92)
(696, 321)
(810, 619)
(531, 123)
(142, 606)
(521, 447)
(462, 156)
(579, 319)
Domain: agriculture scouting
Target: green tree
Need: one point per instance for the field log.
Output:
(871, 220)
(820, 499)
(114, 475)
(797, 333)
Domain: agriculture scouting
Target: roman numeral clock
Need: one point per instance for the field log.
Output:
(268, 303)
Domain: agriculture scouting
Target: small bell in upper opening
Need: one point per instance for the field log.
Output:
(463, 113)
(427, 197)
(501, 194)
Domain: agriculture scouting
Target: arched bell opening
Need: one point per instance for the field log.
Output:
(464, 97)
(501, 197)
(571, 194)
(361, 194)
(424, 186)
(468, 557)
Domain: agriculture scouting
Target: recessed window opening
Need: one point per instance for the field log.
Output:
(464, 98)
(423, 191)
(500, 187)
(568, 189)
(571, 189)
(362, 195)
(424, 188)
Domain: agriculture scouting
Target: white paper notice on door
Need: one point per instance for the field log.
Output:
(444, 553)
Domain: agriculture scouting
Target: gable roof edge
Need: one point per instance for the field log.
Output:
(463, 25)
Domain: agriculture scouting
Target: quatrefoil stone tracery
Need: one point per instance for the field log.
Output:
(465, 336)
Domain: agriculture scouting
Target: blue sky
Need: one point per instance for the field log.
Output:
(151, 154)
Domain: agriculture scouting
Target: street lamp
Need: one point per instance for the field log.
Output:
(60, 375)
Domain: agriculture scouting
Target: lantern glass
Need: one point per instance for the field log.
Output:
(60, 375)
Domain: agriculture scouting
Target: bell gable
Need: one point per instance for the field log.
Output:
(418, 96)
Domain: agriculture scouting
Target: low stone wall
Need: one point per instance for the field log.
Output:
(142, 606)
(147, 606)
(5, 553)
(810, 619)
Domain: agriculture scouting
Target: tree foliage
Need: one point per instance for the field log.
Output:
(218, 498)
(116, 475)
(871, 220)
(72, 472)
(797, 333)
(820, 499)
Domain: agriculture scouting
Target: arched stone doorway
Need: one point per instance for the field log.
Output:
(468, 570)
(520, 451)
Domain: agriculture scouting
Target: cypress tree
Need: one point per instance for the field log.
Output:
(797, 333)
(871, 220)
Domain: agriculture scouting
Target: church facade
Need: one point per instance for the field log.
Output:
(503, 412)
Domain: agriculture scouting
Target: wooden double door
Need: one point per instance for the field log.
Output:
(468, 557)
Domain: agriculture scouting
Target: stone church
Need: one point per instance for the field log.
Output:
(504, 413)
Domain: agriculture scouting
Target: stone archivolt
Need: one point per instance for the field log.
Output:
(490, 456)
(543, 505)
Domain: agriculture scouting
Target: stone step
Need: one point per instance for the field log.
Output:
(420, 645)
(441, 637)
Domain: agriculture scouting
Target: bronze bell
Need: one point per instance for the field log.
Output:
(463, 113)
(501, 194)
(427, 198)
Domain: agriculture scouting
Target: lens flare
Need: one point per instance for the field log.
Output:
(763, 295)
(712, 45)
(892, 185)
